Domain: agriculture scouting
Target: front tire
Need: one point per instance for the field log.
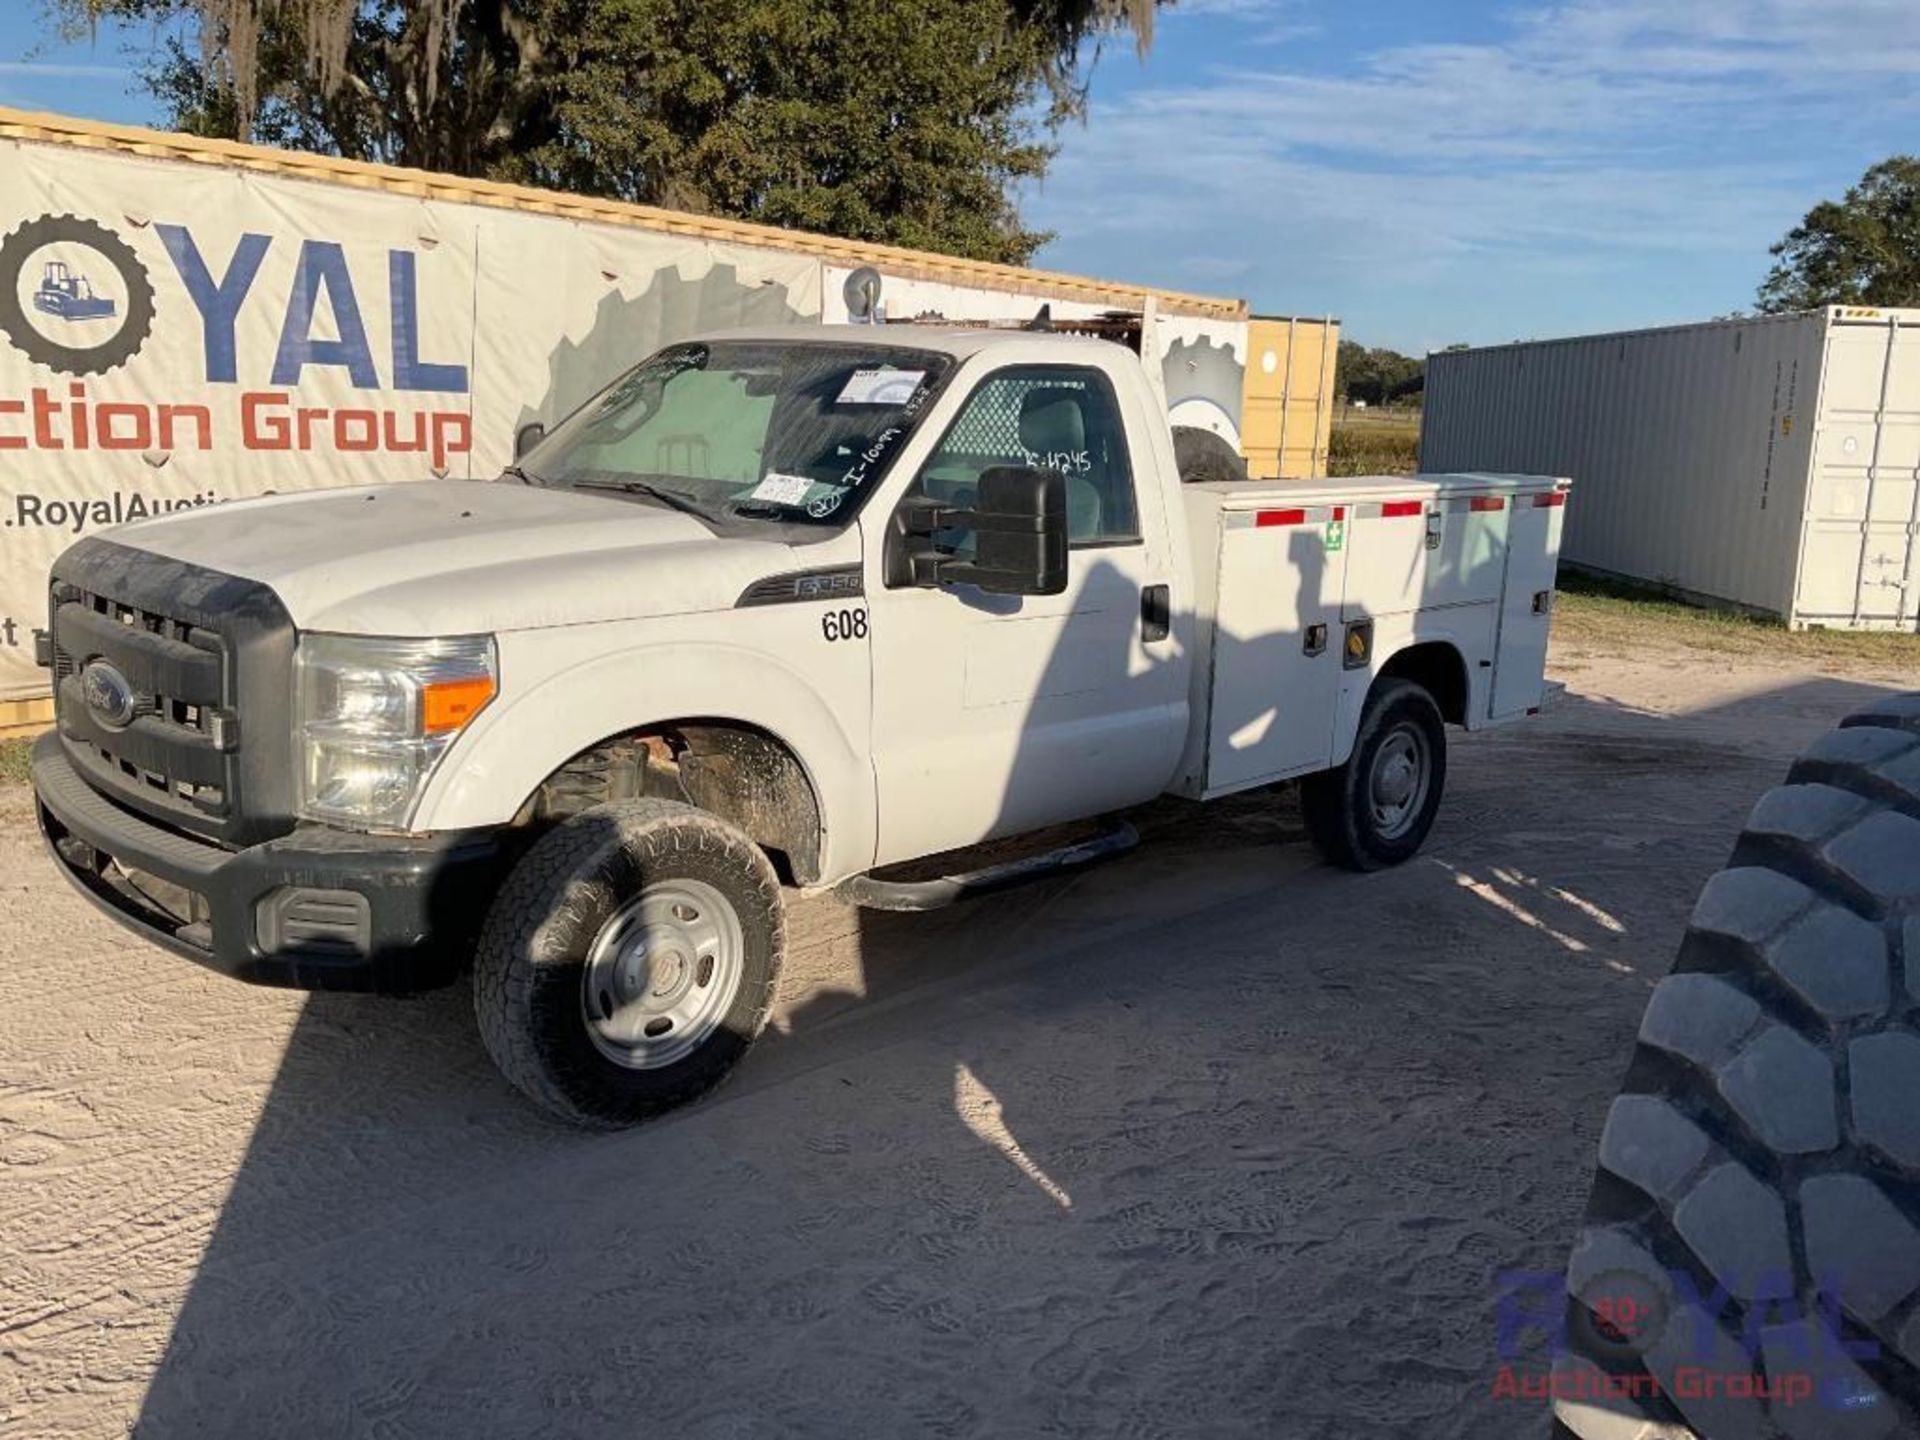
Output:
(1376, 809)
(629, 961)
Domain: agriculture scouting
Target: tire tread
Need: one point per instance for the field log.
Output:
(510, 952)
(1742, 927)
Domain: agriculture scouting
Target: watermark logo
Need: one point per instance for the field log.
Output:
(1657, 1333)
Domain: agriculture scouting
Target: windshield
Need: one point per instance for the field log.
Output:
(794, 432)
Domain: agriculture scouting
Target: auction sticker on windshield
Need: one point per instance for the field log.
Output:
(881, 387)
(778, 489)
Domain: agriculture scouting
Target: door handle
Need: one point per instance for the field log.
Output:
(1156, 613)
(1316, 641)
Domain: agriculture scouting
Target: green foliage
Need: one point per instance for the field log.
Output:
(857, 117)
(1605, 616)
(1377, 377)
(1371, 445)
(1861, 250)
(909, 125)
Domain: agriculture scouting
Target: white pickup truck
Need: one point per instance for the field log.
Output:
(777, 608)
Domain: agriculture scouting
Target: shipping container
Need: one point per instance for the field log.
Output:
(1286, 416)
(1769, 464)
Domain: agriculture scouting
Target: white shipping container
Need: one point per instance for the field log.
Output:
(1772, 463)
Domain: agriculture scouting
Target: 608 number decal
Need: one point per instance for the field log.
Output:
(844, 624)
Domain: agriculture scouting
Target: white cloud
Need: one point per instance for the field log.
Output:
(1584, 135)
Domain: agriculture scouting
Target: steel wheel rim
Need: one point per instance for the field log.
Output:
(1398, 780)
(662, 974)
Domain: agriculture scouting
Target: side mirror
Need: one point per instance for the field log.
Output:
(1019, 525)
(528, 436)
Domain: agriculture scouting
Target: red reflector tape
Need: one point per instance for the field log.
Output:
(1280, 517)
(1391, 508)
(1339, 512)
(1489, 502)
(1550, 499)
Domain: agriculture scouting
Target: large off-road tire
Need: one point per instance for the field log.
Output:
(629, 961)
(1376, 809)
(1200, 456)
(1764, 1154)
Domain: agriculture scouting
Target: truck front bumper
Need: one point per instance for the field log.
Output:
(317, 909)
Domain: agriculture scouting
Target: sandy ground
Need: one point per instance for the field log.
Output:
(1210, 1141)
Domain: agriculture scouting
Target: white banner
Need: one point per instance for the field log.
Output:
(176, 334)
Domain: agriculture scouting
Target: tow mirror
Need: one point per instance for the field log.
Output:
(528, 436)
(1019, 528)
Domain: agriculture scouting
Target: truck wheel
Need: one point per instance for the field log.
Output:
(1756, 1209)
(629, 961)
(1376, 809)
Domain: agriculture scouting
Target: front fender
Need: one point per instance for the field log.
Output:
(564, 691)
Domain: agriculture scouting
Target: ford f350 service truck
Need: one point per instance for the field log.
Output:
(775, 608)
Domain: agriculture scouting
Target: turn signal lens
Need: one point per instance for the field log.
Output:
(450, 704)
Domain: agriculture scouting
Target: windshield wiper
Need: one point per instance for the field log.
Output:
(521, 475)
(672, 499)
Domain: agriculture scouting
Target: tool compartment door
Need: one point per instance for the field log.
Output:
(1526, 612)
(1275, 676)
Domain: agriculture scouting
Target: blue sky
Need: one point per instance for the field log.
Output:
(1469, 170)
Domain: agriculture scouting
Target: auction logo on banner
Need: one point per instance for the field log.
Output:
(76, 300)
(73, 295)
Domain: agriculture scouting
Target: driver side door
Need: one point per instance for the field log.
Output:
(995, 714)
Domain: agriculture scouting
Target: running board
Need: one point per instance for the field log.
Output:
(874, 894)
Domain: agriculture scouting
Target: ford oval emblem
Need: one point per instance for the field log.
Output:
(108, 693)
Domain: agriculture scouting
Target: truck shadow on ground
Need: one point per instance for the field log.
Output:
(1209, 1140)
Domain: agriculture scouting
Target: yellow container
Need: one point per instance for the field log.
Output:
(1286, 409)
(22, 718)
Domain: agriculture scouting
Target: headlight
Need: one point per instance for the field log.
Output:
(374, 715)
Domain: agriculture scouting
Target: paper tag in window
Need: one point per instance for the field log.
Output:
(778, 489)
(880, 387)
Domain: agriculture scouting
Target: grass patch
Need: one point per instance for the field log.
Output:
(1623, 618)
(13, 761)
(1374, 442)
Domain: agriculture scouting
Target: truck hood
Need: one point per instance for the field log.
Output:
(445, 557)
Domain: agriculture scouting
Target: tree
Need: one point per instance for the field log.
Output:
(1377, 377)
(903, 124)
(1862, 250)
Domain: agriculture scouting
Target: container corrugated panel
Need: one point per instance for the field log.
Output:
(1286, 409)
(1693, 454)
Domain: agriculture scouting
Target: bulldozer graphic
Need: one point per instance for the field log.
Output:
(66, 293)
(39, 319)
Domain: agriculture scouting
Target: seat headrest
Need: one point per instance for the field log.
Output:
(1051, 423)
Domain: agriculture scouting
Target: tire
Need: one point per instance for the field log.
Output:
(1200, 455)
(1765, 1148)
(1343, 820)
(629, 961)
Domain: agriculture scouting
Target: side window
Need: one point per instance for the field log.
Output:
(1053, 417)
